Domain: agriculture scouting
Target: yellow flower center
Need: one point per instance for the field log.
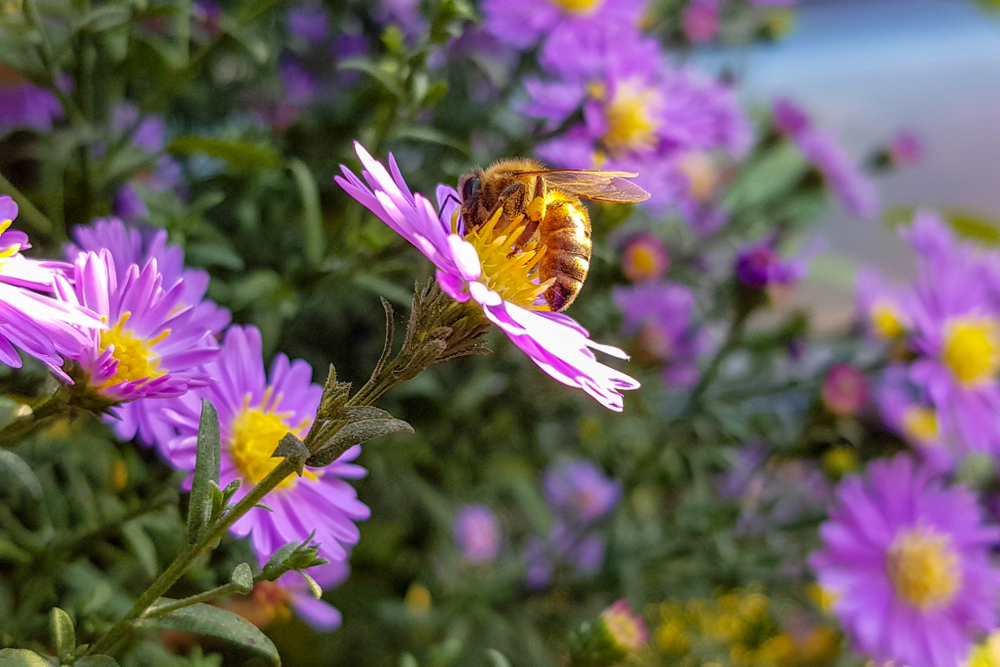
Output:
(971, 349)
(624, 629)
(924, 569)
(629, 117)
(987, 653)
(886, 323)
(136, 359)
(509, 271)
(579, 6)
(921, 424)
(13, 248)
(256, 433)
(641, 260)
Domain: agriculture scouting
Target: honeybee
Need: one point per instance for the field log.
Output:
(549, 199)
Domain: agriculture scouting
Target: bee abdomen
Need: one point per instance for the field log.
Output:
(566, 235)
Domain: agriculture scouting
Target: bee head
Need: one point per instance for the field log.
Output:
(471, 192)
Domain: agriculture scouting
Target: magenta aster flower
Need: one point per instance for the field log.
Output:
(42, 326)
(844, 390)
(905, 149)
(255, 412)
(759, 266)
(915, 419)
(907, 562)
(477, 533)
(701, 21)
(152, 348)
(660, 314)
(476, 267)
(956, 332)
(883, 310)
(23, 105)
(131, 245)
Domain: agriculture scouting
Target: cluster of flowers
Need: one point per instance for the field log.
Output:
(906, 552)
(127, 325)
(640, 113)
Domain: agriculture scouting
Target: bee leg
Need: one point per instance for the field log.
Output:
(536, 213)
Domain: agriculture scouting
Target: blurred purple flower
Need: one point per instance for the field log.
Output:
(905, 149)
(477, 533)
(309, 23)
(843, 176)
(701, 21)
(580, 492)
(523, 22)
(844, 390)
(661, 315)
(298, 90)
(915, 420)
(207, 15)
(475, 267)
(131, 245)
(583, 553)
(640, 113)
(956, 332)
(30, 319)
(789, 118)
(759, 266)
(153, 347)
(23, 105)
(907, 562)
(644, 257)
(128, 204)
(255, 412)
(883, 310)
(403, 14)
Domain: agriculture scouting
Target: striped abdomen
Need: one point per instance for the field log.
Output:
(565, 231)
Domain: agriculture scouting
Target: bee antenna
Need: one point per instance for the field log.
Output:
(451, 197)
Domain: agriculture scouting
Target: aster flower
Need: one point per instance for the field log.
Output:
(883, 310)
(915, 420)
(309, 23)
(523, 22)
(907, 561)
(475, 268)
(270, 600)
(844, 390)
(660, 315)
(644, 257)
(152, 348)
(956, 332)
(564, 547)
(298, 90)
(701, 21)
(759, 266)
(23, 105)
(30, 320)
(477, 533)
(580, 492)
(640, 113)
(130, 245)
(255, 412)
(627, 628)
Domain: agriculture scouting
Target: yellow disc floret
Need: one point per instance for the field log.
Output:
(972, 349)
(136, 360)
(924, 568)
(886, 322)
(630, 118)
(920, 423)
(255, 435)
(508, 270)
(579, 6)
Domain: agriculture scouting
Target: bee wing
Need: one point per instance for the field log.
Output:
(597, 185)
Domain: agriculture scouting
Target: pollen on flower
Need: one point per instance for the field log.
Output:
(579, 6)
(510, 271)
(924, 569)
(255, 435)
(972, 349)
(629, 114)
(136, 360)
(921, 424)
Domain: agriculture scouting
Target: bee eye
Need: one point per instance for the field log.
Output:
(470, 189)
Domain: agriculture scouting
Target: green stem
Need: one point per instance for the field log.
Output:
(715, 365)
(41, 412)
(188, 557)
(209, 595)
(26, 210)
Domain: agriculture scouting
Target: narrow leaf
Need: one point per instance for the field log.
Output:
(497, 658)
(390, 327)
(63, 634)
(355, 434)
(22, 471)
(206, 471)
(292, 448)
(365, 413)
(239, 154)
(208, 620)
(243, 577)
(312, 216)
(314, 588)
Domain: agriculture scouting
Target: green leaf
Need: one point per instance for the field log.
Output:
(292, 448)
(767, 177)
(239, 154)
(62, 632)
(22, 471)
(355, 434)
(243, 577)
(142, 547)
(206, 471)
(432, 136)
(314, 588)
(445, 653)
(11, 410)
(312, 216)
(407, 660)
(21, 657)
(497, 658)
(380, 73)
(208, 620)
(277, 564)
(105, 17)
